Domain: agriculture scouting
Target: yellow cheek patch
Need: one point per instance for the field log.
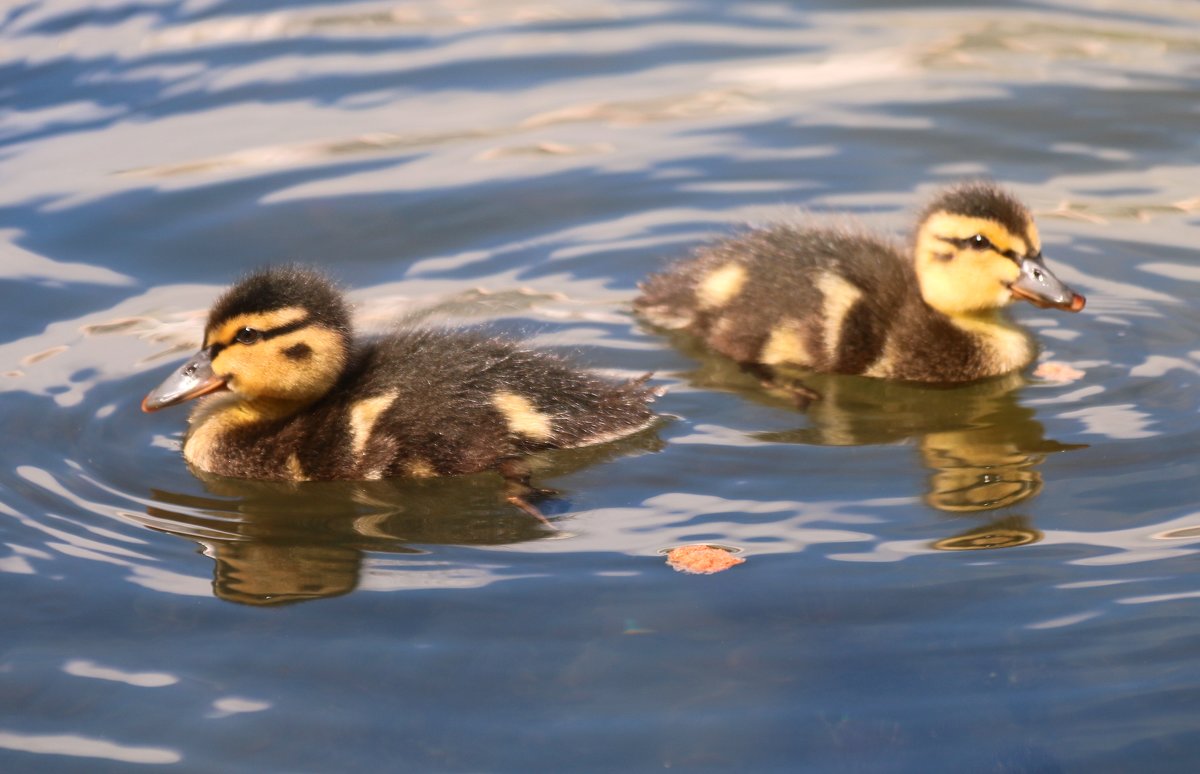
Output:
(973, 280)
(785, 345)
(720, 286)
(264, 370)
(262, 321)
(522, 417)
(364, 415)
(840, 298)
(963, 290)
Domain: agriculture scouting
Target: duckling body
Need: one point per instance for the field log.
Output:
(838, 301)
(289, 394)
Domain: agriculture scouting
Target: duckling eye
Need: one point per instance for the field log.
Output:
(248, 336)
(980, 242)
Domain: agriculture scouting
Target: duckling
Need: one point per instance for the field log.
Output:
(290, 394)
(837, 301)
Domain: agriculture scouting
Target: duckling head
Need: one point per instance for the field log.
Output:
(280, 336)
(977, 249)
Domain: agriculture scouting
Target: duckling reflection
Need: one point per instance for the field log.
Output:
(981, 446)
(274, 543)
(1008, 532)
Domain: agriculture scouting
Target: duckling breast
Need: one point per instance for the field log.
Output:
(927, 346)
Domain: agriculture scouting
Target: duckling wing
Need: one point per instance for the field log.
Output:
(433, 402)
(820, 298)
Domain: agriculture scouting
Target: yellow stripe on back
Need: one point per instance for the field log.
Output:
(294, 469)
(885, 365)
(363, 416)
(522, 416)
(786, 345)
(720, 286)
(840, 297)
(419, 468)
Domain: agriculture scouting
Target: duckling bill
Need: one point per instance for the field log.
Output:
(288, 393)
(840, 301)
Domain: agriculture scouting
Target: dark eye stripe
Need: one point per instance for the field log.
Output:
(289, 328)
(969, 242)
(270, 333)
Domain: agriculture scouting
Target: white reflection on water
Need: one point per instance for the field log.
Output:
(1066, 620)
(719, 435)
(1074, 396)
(18, 564)
(85, 747)
(1152, 598)
(48, 483)
(1119, 421)
(1159, 365)
(381, 573)
(833, 72)
(17, 263)
(363, 19)
(170, 582)
(769, 526)
(1173, 270)
(236, 705)
(84, 668)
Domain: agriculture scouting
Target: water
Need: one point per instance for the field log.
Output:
(1000, 577)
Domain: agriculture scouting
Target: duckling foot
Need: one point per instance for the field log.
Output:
(800, 393)
(531, 509)
(518, 489)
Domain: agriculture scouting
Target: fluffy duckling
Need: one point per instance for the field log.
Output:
(292, 395)
(837, 301)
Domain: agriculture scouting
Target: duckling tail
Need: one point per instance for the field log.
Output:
(640, 381)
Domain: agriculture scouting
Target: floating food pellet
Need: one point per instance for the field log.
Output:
(1057, 372)
(702, 559)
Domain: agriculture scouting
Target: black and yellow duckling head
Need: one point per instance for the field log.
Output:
(281, 336)
(977, 249)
